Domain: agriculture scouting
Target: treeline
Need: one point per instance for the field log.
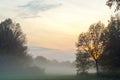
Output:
(54, 67)
(43, 62)
(100, 45)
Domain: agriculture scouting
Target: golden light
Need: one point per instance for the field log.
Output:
(91, 45)
(96, 55)
(96, 51)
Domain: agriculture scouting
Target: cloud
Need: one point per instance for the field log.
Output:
(32, 8)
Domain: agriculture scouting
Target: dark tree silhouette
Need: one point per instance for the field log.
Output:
(110, 59)
(89, 42)
(96, 46)
(115, 3)
(83, 56)
(13, 50)
(83, 62)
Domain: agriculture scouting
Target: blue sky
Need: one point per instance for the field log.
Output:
(55, 24)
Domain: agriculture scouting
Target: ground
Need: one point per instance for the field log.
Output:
(67, 77)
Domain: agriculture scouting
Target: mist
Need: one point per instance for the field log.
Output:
(54, 67)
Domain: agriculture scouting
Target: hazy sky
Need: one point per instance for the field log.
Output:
(54, 24)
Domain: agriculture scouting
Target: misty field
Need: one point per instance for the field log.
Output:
(67, 77)
(59, 40)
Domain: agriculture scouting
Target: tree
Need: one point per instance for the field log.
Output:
(90, 42)
(83, 61)
(96, 46)
(110, 59)
(13, 49)
(110, 3)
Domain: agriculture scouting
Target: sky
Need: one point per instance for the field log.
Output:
(54, 24)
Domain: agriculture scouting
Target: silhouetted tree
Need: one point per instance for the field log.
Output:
(110, 59)
(13, 50)
(90, 42)
(83, 61)
(96, 46)
(41, 60)
(115, 3)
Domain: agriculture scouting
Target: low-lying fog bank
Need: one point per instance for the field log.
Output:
(53, 67)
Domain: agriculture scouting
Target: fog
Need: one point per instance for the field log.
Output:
(60, 70)
(54, 67)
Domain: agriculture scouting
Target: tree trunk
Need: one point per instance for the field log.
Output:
(97, 68)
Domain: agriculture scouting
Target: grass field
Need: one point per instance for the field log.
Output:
(67, 77)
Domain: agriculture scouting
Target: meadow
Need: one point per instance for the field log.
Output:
(62, 77)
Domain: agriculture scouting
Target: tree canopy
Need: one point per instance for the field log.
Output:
(13, 49)
(115, 3)
(90, 43)
(110, 59)
(83, 61)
